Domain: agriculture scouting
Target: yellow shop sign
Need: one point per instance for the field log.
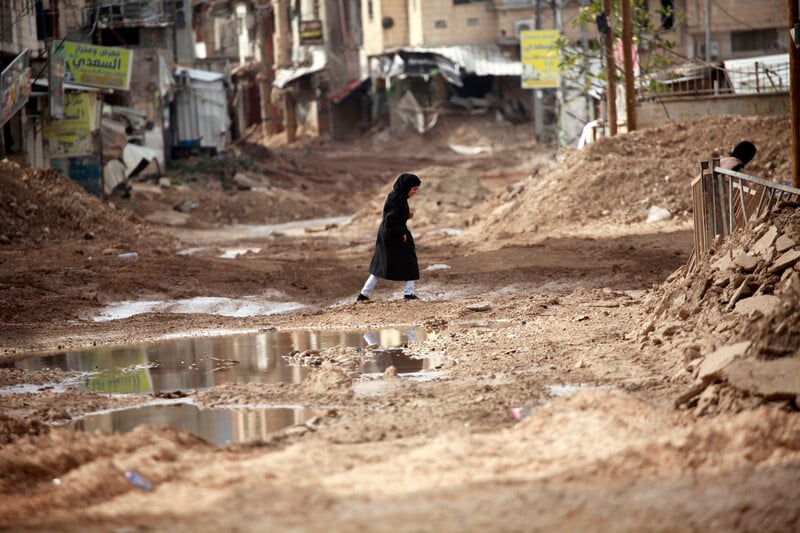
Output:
(539, 53)
(97, 66)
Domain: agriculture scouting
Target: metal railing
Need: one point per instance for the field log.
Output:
(724, 200)
(717, 81)
(122, 13)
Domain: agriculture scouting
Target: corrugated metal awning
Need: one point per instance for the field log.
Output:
(479, 59)
(285, 75)
(343, 92)
(199, 75)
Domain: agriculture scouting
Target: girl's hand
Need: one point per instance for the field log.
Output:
(411, 214)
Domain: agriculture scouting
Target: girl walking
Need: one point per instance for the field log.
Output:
(395, 257)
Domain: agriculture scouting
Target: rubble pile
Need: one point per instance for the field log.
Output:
(736, 318)
(618, 180)
(40, 207)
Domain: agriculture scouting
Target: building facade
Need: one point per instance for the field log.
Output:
(338, 67)
(20, 49)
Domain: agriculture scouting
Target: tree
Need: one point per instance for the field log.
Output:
(655, 51)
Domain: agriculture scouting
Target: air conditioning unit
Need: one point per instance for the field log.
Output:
(714, 48)
(523, 25)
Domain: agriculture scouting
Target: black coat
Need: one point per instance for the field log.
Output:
(393, 259)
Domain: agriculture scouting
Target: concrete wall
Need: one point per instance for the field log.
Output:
(341, 42)
(415, 23)
(19, 27)
(651, 114)
(376, 37)
(730, 15)
(370, 25)
(463, 24)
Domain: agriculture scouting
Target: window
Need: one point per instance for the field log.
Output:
(370, 12)
(46, 22)
(667, 14)
(754, 40)
(456, 2)
(7, 23)
(440, 24)
(472, 21)
(120, 37)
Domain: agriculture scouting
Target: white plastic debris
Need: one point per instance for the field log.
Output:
(657, 214)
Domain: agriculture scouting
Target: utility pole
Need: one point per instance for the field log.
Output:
(627, 55)
(557, 7)
(538, 111)
(794, 90)
(708, 31)
(585, 47)
(174, 33)
(611, 71)
(284, 60)
(264, 75)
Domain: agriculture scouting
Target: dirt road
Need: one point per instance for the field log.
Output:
(583, 377)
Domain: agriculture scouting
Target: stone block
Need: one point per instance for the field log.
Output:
(765, 241)
(765, 304)
(784, 243)
(776, 377)
(786, 260)
(721, 358)
(746, 262)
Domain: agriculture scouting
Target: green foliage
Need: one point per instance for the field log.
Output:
(655, 51)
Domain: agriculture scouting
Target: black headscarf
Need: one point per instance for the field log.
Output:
(405, 182)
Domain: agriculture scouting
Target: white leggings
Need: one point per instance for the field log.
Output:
(372, 281)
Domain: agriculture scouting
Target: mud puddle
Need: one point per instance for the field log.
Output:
(239, 232)
(270, 303)
(219, 426)
(190, 364)
(403, 363)
(572, 388)
(201, 363)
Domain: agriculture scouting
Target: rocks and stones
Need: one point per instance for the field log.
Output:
(721, 358)
(766, 304)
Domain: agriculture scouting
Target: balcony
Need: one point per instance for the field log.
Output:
(129, 13)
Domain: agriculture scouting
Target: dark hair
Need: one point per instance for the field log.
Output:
(745, 151)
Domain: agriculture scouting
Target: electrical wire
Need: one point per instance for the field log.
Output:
(60, 44)
(740, 21)
(3, 31)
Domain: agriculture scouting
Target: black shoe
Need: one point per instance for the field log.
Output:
(410, 297)
(361, 297)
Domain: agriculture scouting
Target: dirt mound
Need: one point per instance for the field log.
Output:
(41, 207)
(736, 318)
(83, 462)
(617, 180)
(446, 198)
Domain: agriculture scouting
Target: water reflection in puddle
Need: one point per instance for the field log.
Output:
(565, 390)
(242, 307)
(219, 426)
(402, 362)
(201, 363)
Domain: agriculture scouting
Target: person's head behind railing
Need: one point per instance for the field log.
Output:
(742, 153)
